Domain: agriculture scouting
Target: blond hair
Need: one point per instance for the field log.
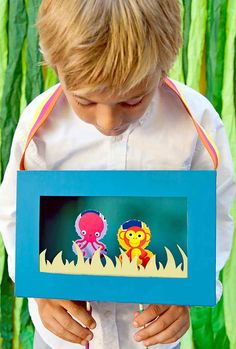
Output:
(109, 44)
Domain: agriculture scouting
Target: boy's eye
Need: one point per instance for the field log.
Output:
(123, 104)
(84, 104)
(132, 104)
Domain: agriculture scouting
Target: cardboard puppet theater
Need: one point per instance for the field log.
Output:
(122, 236)
(140, 236)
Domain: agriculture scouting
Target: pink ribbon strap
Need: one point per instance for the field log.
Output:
(45, 108)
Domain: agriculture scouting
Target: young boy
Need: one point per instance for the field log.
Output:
(116, 111)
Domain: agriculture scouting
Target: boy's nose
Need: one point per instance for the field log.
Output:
(107, 118)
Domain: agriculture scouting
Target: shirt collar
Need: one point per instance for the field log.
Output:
(150, 109)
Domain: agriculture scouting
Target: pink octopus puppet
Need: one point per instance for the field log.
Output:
(91, 226)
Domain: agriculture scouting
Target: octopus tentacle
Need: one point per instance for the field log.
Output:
(82, 247)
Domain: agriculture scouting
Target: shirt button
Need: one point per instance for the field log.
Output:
(119, 138)
(141, 121)
(107, 313)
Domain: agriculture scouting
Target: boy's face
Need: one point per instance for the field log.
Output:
(112, 115)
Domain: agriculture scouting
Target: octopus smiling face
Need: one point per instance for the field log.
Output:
(91, 226)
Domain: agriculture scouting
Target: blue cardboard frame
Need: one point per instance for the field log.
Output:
(199, 187)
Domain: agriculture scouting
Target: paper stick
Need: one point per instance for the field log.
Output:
(88, 308)
(141, 310)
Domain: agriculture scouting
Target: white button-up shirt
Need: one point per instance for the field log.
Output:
(164, 138)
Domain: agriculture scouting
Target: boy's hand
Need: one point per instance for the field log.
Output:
(56, 317)
(163, 324)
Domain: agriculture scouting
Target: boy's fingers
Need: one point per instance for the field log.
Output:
(158, 325)
(70, 325)
(55, 327)
(149, 314)
(170, 335)
(80, 313)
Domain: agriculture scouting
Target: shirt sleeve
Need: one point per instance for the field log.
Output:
(226, 188)
(8, 186)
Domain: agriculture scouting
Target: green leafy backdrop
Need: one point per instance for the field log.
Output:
(207, 62)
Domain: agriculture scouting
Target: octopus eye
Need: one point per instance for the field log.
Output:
(97, 234)
(83, 232)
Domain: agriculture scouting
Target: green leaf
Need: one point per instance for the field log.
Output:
(234, 83)
(196, 42)
(50, 78)
(186, 27)
(218, 325)
(4, 56)
(177, 70)
(228, 91)
(12, 87)
(7, 302)
(2, 258)
(229, 282)
(3, 42)
(215, 48)
(34, 78)
(17, 322)
(27, 329)
(202, 329)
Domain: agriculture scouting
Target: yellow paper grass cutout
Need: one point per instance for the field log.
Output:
(124, 268)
